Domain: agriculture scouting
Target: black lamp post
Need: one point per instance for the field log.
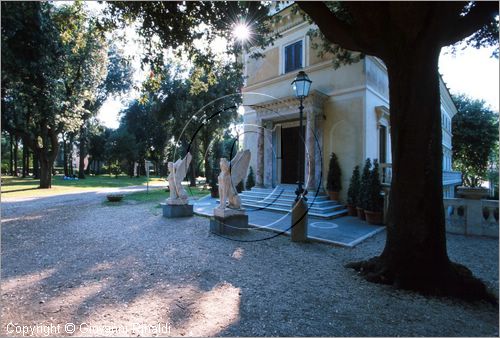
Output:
(301, 86)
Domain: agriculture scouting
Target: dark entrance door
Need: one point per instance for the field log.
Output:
(290, 145)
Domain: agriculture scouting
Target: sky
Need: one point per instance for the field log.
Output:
(469, 71)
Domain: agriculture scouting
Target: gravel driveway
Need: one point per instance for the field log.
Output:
(97, 269)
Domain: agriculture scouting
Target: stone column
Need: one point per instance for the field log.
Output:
(259, 172)
(310, 152)
(268, 155)
(318, 149)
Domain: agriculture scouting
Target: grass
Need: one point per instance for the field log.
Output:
(160, 195)
(28, 187)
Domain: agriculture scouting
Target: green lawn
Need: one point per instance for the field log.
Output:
(28, 187)
(159, 195)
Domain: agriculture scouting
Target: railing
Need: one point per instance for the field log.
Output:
(471, 217)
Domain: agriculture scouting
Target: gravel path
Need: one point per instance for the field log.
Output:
(124, 270)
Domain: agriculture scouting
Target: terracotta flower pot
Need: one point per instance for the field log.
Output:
(361, 213)
(472, 193)
(374, 217)
(334, 195)
(351, 210)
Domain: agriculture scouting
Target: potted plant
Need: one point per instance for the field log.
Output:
(374, 201)
(352, 192)
(361, 203)
(114, 197)
(333, 184)
(250, 179)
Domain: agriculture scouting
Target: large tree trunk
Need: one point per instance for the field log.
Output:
(16, 150)
(45, 173)
(11, 157)
(415, 255)
(81, 162)
(26, 160)
(36, 168)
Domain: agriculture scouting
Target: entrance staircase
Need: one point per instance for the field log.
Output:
(281, 199)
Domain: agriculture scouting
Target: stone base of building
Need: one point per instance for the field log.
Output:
(174, 211)
(230, 225)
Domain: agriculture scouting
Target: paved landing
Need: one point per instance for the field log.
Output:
(345, 231)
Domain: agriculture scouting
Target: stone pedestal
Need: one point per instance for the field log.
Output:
(229, 222)
(299, 221)
(177, 210)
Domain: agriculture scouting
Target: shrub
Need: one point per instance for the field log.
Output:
(353, 191)
(250, 179)
(363, 186)
(333, 180)
(240, 187)
(375, 202)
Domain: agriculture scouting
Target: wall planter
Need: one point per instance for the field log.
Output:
(334, 195)
(472, 193)
(374, 217)
(351, 210)
(361, 213)
(114, 197)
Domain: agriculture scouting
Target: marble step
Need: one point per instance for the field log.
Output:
(281, 199)
(327, 215)
(271, 197)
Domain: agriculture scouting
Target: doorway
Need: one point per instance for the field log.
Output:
(290, 143)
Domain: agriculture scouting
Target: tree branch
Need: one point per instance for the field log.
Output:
(479, 15)
(332, 28)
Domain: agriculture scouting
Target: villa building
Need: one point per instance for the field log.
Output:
(346, 112)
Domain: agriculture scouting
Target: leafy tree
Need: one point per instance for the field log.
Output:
(333, 179)
(98, 138)
(475, 134)
(122, 149)
(353, 191)
(408, 38)
(118, 80)
(364, 185)
(375, 202)
(51, 64)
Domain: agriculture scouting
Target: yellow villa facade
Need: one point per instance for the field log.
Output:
(346, 112)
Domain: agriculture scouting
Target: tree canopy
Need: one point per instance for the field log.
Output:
(475, 136)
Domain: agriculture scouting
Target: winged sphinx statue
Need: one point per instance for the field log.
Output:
(177, 173)
(231, 174)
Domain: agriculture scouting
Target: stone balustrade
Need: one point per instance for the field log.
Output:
(471, 217)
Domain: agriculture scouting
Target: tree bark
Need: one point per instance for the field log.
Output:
(16, 149)
(36, 168)
(45, 173)
(81, 162)
(415, 255)
(11, 157)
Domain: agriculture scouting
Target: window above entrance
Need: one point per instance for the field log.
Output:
(293, 56)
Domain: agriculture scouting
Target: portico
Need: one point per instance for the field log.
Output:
(276, 128)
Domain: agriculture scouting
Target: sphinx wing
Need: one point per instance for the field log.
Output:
(239, 166)
(182, 166)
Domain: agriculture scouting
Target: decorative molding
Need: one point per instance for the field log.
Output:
(287, 76)
(382, 113)
(288, 106)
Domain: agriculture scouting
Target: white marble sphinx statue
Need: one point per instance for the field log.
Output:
(178, 171)
(231, 174)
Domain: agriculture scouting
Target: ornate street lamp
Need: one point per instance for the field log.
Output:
(301, 86)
